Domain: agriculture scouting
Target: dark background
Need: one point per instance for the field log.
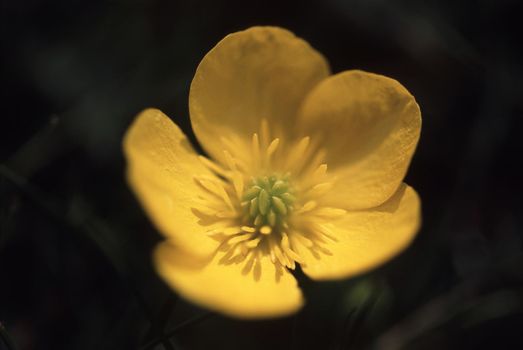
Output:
(75, 267)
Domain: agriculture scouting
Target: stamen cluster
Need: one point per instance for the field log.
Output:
(268, 201)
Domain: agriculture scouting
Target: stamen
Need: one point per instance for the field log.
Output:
(271, 218)
(229, 159)
(237, 181)
(253, 243)
(215, 188)
(266, 230)
(320, 171)
(296, 157)
(323, 250)
(320, 189)
(326, 231)
(314, 163)
(205, 210)
(265, 134)
(230, 143)
(329, 213)
(232, 230)
(277, 252)
(255, 150)
(272, 147)
(292, 255)
(308, 206)
(239, 238)
(302, 239)
(213, 166)
(227, 214)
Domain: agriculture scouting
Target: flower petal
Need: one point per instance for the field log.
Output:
(369, 125)
(161, 167)
(261, 72)
(246, 289)
(366, 239)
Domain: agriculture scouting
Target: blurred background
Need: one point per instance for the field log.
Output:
(75, 267)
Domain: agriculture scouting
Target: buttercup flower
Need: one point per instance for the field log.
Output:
(303, 168)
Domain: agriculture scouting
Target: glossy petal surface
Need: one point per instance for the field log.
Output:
(259, 73)
(161, 166)
(369, 125)
(247, 289)
(368, 238)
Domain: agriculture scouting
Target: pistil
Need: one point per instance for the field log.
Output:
(268, 201)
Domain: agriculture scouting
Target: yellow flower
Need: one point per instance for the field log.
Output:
(304, 168)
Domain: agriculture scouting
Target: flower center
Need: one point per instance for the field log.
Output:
(268, 201)
(262, 216)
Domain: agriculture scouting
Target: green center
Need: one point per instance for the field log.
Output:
(268, 200)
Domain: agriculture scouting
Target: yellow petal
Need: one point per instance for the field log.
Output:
(161, 166)
(368, 238)
(246, 289)
(261, 72)
(369, 125)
